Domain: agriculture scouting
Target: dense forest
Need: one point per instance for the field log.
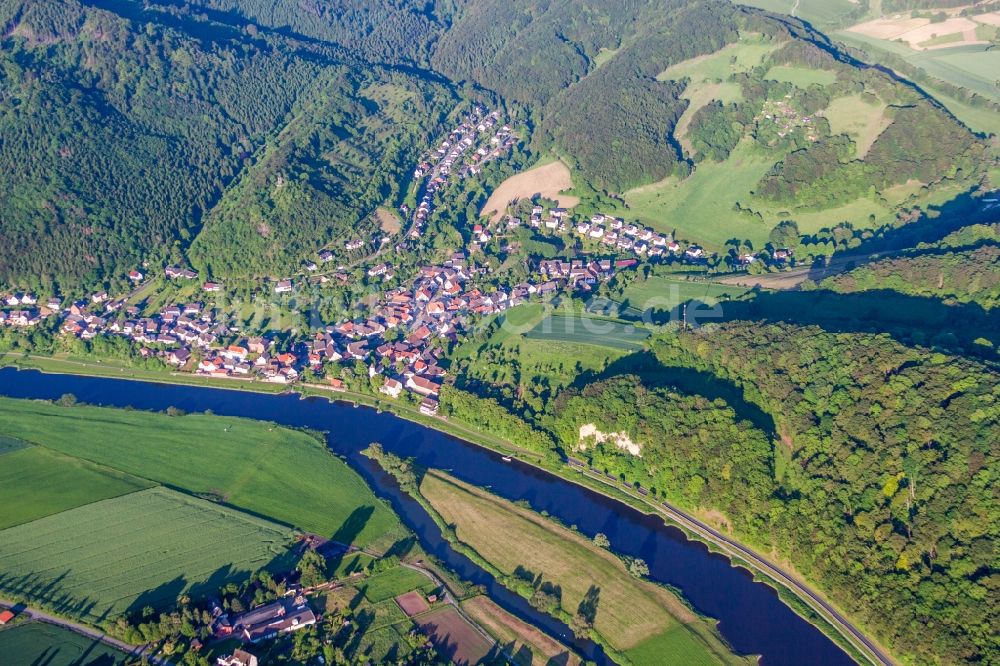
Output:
(965, 276)
(879, 486)
(346, 149)
(116, 140)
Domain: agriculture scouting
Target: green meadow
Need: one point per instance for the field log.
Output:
(267, 470)
(142, 549)
(589, 331)
(41, 644)
(36, 482)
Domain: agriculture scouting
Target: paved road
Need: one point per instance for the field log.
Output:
(89, 632)
(874, 653)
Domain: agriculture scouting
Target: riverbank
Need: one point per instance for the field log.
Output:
(828, 619)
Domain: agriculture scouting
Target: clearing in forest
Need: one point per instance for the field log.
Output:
(547, 181)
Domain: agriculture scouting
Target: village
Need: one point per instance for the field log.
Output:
(402, 340)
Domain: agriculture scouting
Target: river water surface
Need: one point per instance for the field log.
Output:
(751, 617)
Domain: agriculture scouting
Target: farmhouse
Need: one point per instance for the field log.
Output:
(237, 658)
(275, 618)
(5, 617)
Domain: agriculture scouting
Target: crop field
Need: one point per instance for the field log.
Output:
(548, 180)
(589, 331)
(629, 611)
(529, 645)
(141, 549)
(36, 482)
(41, 644)
(394, 582)
(454, 636)
(248, 464)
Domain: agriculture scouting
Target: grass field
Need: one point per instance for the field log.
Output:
(629, 612)
(701, 207)
(665, 293)
(820, 12)
(132, 551)
(270, 471)
(36, 482)
(527, 645)
(862, 120)
(589, 331)
(802, 77)
(394, 582)
(740, 56)
(40, 644)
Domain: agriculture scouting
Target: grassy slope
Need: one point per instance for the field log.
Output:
(36, 482)
(140, 549)
(271, 471)
(40, 643)
(630, 612)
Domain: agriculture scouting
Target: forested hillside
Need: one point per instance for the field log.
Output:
(880, 485)
(965, 276)
(347, 148)
(116, 140)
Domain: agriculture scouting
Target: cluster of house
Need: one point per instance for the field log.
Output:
(437, 166)
(25, 314)
(577, 274)
(787, 118)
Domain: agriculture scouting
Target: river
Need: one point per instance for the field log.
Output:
(751, 616)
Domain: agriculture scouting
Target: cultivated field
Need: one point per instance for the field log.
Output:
(412, 603)
(36, 482)
(589, 331)
(548, 181)
(41, 644)
(528, 645)
(921, 33)
(251, 465)
(141, 549)
(629, 611)
(454, 636)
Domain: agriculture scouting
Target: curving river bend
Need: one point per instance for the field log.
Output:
(751, 617)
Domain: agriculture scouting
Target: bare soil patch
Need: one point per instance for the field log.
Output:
(388, 220)
(524, 637)
(547, 181)
(454, 637)
(412, 603)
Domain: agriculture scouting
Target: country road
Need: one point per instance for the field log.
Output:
(83, 630)
(855, 636)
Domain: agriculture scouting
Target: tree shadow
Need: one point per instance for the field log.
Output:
(588, 605)
(911, 320)
(348, 532)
